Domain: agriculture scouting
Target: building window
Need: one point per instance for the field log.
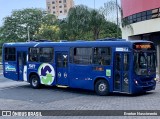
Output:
(10, 54)
(138, 15)
(65, 5)
(60, 1)
(64, 1)
(54, 12)
(65, 11)
(143, 13)
(60, 11)
(139, 19)
(148, 17)
(134, 18)
(142, 16)
(53, 7)
(60, 6)
(155, 13)
(53, 2)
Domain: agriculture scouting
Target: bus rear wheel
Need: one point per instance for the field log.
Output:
(34, 81)
(102, 87)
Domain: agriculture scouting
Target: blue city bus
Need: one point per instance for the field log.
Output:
(119, 66)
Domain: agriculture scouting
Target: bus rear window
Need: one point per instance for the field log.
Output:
(10, 54)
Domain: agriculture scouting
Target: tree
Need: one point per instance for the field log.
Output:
(78, 21)
(49, 28)
(48, 32)
(49, 19)
(84, 23)
(110, 10)
(17, 26)
(110, 30)
(97, 22)
(64, 32)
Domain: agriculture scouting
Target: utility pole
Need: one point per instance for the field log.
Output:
(28, 33)
(117, 16)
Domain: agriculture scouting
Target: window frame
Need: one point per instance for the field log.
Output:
(52, 60)
(72, 60)
(110, 58)
(8, 54)
(39, 53)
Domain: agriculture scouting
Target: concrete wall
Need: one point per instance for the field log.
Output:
(143, 27)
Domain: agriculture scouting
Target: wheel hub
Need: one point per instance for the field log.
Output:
(102, 87)
(34, 82)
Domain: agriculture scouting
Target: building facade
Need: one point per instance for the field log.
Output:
(144, 19)
(59, 8)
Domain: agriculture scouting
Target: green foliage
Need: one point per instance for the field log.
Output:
(110, 10)
(78, 21)
(49, 32)
(97, 22)
(49, 28)
(81, 23)
(17, 26)
(85, 23)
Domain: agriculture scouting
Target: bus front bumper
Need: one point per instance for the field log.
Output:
(143, 87)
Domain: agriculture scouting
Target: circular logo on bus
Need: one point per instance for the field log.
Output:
(46, 73)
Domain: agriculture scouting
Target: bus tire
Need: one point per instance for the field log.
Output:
(102, 87)
(34, 81)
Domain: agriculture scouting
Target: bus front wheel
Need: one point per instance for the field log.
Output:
(102, 87)
(34, 81)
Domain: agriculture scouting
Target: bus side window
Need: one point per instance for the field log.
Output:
(33, 54)
(102, 56)
(46, 55)
(10, 54)
(82, 56)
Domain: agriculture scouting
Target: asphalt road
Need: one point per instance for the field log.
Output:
(20, 96)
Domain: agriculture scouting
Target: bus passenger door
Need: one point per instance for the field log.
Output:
(22, 67)
(121, 72)
(62, 68)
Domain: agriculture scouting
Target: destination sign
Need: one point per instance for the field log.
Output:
(143, 46)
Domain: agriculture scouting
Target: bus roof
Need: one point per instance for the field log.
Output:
(75, 43)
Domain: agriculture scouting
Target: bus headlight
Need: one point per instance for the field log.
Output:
(135, 81)
(155, 79)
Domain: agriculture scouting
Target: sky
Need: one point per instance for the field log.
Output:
(7, 6)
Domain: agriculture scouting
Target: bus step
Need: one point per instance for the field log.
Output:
(61, 86)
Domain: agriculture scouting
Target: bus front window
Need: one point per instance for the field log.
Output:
(144, 63)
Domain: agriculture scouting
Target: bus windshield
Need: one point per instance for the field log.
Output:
(145, 63)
